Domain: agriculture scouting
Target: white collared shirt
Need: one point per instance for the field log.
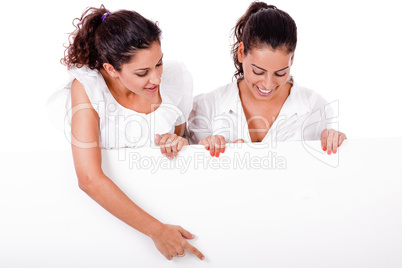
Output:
(303, 116)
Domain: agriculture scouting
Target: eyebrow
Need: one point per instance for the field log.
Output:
(144, 69)
(266, 70)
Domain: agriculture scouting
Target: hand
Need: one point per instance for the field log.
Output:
(216, 144)
(170, 144)
(171, 241)
(331, 140)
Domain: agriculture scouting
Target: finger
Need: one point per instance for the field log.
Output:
(217, 145)
(169, 150)
(171, 146)
(186, 234)
(195, 251)
(169, 257)
(182, 254)
(335, 142)
(223, 143)
(324, 136)
(205, 143)
(239, 141)
(211, 141)
(181, 144)
(174, 146)
(342, 137)
(162, 143)
(168, 146)
(157, 139)
(330, 139)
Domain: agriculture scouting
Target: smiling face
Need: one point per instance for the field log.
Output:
(142, 75)
(265, 70)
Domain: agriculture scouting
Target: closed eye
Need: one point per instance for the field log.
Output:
(280, 75)
(160, 63)
(258, 73)
(143, 74)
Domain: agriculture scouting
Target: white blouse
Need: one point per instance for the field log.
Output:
(303, 116)
(121, 127)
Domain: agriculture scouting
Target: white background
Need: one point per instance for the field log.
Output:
(347, 51)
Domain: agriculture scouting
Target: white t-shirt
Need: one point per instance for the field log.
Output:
(121, 127)
(303, 116)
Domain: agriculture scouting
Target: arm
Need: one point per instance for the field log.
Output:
(86, 150)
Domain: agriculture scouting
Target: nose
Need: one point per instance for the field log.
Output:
(269, 82)
(155, 77)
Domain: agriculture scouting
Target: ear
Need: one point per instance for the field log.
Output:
(292, 58)
(110, 70)
(240, 52)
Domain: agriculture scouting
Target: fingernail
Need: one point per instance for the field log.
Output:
(217, 154)
(211, 154)
(203, 258)
(334, 152)
(324, 149)
(223, 150)
(329, 152)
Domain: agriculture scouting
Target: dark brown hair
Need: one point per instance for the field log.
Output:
(263, 24)
(113, 39)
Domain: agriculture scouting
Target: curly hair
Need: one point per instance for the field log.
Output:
(108, 38)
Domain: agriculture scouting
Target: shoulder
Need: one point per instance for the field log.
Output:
(174, 71)
(211, 102)
(90, 82)
(84, 73)
(176, 83)
(223, 91)
(90, 79)
(79, 97)
(78, 91)
(308, 97)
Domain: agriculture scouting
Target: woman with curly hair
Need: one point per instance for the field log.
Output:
(121, 95)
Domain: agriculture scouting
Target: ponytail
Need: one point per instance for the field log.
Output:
(104, 37)
(262, 24)
(81, 49)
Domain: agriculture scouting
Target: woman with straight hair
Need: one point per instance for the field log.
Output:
(264, 103)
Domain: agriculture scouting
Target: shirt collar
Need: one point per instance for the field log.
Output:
(231, 100)
(296, 102)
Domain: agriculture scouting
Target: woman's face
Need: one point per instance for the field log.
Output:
(142, 75)
(265, 70)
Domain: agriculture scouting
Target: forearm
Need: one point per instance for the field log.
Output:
(113, 199)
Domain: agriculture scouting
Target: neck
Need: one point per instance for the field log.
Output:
(129, 99)
(114, 85)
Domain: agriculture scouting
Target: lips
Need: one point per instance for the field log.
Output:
(263, 92)
(152, 89)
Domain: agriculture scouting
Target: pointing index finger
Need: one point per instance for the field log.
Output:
(195, 251)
